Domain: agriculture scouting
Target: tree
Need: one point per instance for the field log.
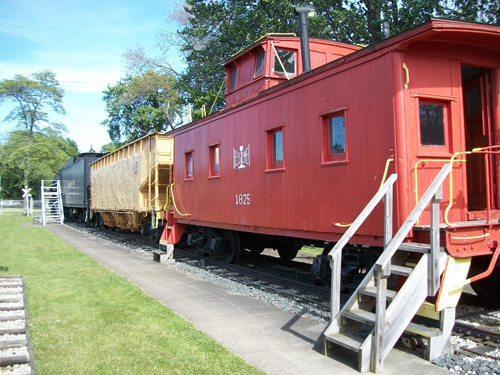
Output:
(49, 151)
(139, 105)
(112, 146)
(487, 11)
(209, 32)
(30, 97)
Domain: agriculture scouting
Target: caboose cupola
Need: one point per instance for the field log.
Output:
(273, 59)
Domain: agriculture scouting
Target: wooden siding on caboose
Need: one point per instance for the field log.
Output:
(336, 131)
(434, 74)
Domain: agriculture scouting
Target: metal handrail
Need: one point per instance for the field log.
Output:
(59, 198)
(480, 150)
(43, 203)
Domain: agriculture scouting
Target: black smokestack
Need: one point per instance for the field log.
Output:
(303, 13)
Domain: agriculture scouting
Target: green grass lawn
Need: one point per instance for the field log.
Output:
(311, 250)
(85, 319)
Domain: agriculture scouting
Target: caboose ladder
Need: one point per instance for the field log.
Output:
(393, 310)
(52, 208)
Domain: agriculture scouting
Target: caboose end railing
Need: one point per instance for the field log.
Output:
(390, 321)
(335, 255)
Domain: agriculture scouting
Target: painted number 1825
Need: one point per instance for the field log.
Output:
(243, 199)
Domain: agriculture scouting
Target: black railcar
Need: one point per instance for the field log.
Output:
(75, 185)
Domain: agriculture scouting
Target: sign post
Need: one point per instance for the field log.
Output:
(26, 196)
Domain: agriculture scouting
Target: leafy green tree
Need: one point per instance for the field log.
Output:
(209, 32)
(140, 105)
(31, 96)
(49, 151)
(112, 146)
(487, 11)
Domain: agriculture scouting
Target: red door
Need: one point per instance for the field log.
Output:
(478, 129)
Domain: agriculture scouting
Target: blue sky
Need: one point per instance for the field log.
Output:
(82, 41)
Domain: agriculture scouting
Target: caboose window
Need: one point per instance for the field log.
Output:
(189, 165)
(233, 75)
(278, 147)
(432, 129)
(287, 59)
(275, 150)
(214, 167)
(334, 137)
(259, 64)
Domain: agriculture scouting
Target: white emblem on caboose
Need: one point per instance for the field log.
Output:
(242, 157)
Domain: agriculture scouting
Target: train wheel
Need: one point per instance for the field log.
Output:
(486, 288)
(230, 246)
(287, 252)
(146, 228)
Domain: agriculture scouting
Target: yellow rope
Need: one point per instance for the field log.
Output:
(220, 89)
(173, 200)
(386, 169)
(385, 172)
(282, 66)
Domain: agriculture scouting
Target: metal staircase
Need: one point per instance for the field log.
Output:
(390, 312)
(52, 207)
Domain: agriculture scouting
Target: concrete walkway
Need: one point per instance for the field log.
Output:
(274, 340)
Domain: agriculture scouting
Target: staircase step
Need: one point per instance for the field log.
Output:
(346, 340)
(372, 292)
(427, 228)
(415, 247)
(423, 330)
(401, 270)
(361, 316)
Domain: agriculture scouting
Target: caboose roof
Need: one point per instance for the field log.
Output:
(442, 31)
(445, 30)
(283, 37)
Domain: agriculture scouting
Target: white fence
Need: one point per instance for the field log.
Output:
(16, 207)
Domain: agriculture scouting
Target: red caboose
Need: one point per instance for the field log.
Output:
(296, 157)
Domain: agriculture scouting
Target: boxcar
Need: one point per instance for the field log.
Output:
(75, 185)
(128, 186)
(299, 160)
